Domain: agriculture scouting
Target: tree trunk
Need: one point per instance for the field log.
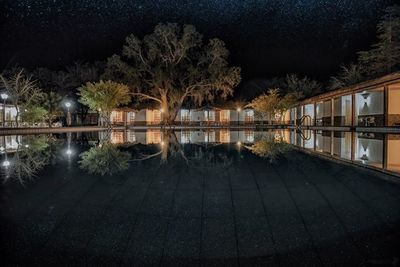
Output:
(16, 118)
(50, 123)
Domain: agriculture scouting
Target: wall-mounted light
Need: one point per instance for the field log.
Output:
(365, 94)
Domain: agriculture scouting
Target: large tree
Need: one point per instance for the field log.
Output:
(173, 64)
(347, 76)
(384, 56)
(301, 87)
(104, 96)
(21, 89)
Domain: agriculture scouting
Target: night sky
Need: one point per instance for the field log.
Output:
(266, 38)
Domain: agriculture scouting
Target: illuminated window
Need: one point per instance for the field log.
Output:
(249, 115)
(131, 116)
(185, 115)
(224, 115)
(209, 115)
(153, 116)
(117, 116)
(370, 108)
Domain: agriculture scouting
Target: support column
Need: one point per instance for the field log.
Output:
(353, 109)
(332, 112)
(315, 114)
(125, 118)
(385, 152)
(386, 106)
(353, 145)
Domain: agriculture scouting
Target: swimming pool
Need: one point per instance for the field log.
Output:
(190, 198)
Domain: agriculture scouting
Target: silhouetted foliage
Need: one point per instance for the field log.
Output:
(172, 65)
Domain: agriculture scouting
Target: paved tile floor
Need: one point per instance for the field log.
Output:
(298, 211)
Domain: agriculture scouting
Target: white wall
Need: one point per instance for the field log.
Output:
(370, 106)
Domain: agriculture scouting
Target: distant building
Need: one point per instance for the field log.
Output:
(205, 116)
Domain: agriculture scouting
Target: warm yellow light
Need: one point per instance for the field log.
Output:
(239, 109)
(161, 110)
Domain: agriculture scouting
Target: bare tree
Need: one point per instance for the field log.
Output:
(22, 91)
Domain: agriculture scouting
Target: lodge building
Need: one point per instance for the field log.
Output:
(205, 116)
(374, 103)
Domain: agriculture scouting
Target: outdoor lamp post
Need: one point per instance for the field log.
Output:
(238, 113)
(68, 105)
(4, 96)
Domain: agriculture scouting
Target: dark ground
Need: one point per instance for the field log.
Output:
(300, 211)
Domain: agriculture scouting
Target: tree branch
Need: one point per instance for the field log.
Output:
(147, 96)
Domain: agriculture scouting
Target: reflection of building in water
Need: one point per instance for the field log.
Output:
(224, 136)
(323, 141)
(209, 136)
(185, 137)
(342, 144)
(10, 142)
(248, 136)
(117, 137)
(393, 152)
(369, 149)
(153, 137)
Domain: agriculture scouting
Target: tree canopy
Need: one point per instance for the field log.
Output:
(173, 64)
(384, 56)
(104, 96)
(272, 105)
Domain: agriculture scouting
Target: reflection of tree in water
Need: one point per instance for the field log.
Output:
(270, 147)
(191, 155)
(30, 156)
(104, 159)
(108, 159)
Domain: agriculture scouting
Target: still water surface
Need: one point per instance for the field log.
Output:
(197, 198)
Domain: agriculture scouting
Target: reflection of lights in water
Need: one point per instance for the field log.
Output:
(277, 137)
(162, 143)
(364, 159)
(69, 152)
(239, 143)
(5, 163)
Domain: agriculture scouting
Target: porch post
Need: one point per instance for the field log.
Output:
(386, 105)
(332, 112)
(353, 109)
